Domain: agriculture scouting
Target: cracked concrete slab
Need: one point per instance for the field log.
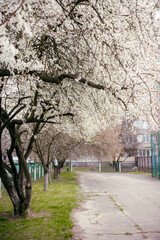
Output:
(117, 207)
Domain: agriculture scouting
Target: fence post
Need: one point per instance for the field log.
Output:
(99, 167)
(39, 171)
(34, 172)
(71, 166)
(120, 169)
(42, 171)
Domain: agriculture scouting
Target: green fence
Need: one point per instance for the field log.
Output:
(36, 170)
(155, 154)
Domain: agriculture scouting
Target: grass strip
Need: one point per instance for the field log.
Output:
(141, 173)
(51, 210)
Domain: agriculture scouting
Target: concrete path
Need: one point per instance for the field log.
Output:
(118, 206)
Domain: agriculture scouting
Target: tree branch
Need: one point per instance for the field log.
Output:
(5, 73)
(92, 84)
(48, 77)
(16, 121)
(12, 14)
(11, 117)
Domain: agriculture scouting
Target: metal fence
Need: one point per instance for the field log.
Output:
(91, 166)
(36, 170)
(155, 154)
(83, 165)
(144, 164)
(100, 166)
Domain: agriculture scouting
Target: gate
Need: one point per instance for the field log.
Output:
(85, 166)
(144, 164)
(91, 166)
(155, 154)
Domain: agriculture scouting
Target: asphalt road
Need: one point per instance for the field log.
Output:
(118, 206)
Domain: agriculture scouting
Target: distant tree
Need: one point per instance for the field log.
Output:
(110, 143)
(43, 148)
(63, 147)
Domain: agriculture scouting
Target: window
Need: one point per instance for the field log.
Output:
(143, 138)
(139, 138)
(139, 152)
(147, 138)
(144, 153)
(158, 85)
(141, 124)
(148, 152)
(144, 124)
(128, 138)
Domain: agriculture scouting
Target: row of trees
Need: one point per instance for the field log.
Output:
(80, 66)
(51, 145)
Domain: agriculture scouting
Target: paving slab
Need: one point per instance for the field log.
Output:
(118, 206)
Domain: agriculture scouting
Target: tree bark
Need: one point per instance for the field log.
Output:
(21, 188)
(21, 203)
(55, 172)
(50, 179)
(46, 181)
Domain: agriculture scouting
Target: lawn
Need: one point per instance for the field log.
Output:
(52, 211)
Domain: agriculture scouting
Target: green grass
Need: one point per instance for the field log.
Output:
(139, 173)
(116, 204)
(85, 169)
(138, 227)
(62, 196)
(93, 169)
(128, 233)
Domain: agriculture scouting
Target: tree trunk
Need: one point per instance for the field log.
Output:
(46, 181)
(21, 208)
(20, 189)
(59, 170)
(117, 166)
(50, 179)
(55, 172)
(20, 203)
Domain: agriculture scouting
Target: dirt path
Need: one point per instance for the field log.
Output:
(118, 207)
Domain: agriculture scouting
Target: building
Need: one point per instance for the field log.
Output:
(138, 141)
